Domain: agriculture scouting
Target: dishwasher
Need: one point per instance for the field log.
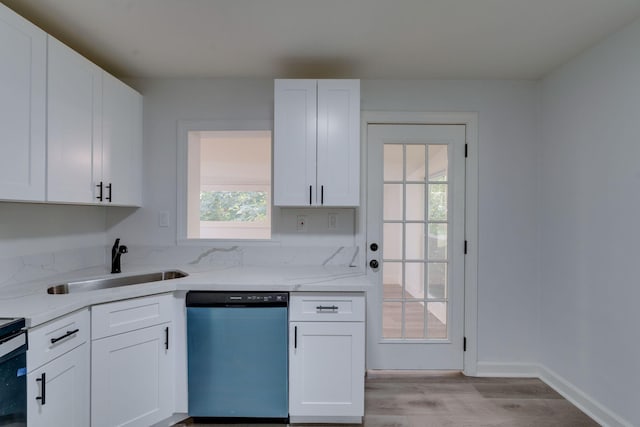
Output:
(237, 355)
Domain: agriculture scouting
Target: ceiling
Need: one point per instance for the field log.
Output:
(395, 39)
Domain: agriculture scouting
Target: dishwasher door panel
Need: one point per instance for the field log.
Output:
(237, 362)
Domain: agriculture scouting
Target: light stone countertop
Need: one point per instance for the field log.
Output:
(31, 301)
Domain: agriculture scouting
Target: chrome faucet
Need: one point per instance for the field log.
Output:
(116, 253)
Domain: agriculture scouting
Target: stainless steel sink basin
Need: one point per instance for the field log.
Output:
(114, 282)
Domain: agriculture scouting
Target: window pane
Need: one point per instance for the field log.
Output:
(240, 206)
(393, 162)
(414, 319)
(437, 320)
(392, 202)
(437, 280)
(392, 320)
(392, 280)
(415, 241)
(415, 162)
(415, 202)
(438, 202)
(414, 280)
(437, 241)
(438, 162)
(392, 241)
(229, 185)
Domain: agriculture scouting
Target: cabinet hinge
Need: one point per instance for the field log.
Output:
(465, 247)
(466, 150)
(464, 344)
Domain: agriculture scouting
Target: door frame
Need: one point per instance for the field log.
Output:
(470, 121)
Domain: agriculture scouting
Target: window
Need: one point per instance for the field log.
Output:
(228, 184)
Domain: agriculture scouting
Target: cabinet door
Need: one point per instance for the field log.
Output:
(121, 142)
(73, 119)
(339, 142)
(64, 384)
(326, 376)
(132, 378)
(294, 148)
(22, 108)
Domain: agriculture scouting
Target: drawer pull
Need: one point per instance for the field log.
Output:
(43, 390)
(68, 334)
(324, 308)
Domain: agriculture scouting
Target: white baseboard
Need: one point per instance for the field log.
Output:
(507, 370)
(573, 394)
(586, 403)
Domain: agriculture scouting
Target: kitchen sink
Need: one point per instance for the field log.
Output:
(114, 282)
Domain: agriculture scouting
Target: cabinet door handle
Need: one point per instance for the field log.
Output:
(295, 337)
(67, 335)
(109, 187)
(322, 194)
(43, 389)
(310, 201)
(100, 193)
(166, 338)
(321, 308)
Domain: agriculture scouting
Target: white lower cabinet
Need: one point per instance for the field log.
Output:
(132, 371)
(326, 359)
(58, 372)
(130, 381)
(58, 392)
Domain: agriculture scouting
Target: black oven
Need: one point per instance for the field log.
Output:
(13, 373)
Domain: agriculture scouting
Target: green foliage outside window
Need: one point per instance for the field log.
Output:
(237, 206)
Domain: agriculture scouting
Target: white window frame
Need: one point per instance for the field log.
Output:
(184, 127)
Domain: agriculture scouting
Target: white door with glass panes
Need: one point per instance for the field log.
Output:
(415, 215)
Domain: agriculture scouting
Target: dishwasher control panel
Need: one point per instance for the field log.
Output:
(236, 299)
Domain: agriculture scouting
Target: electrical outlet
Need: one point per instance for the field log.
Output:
(333, 221)
(301, 225)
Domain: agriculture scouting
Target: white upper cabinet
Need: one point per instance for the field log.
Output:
(73, 119)
(22, 108)
(317, 142)
(121, 142)
(94, 133)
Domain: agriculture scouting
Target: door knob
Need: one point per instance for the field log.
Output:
(373, 263)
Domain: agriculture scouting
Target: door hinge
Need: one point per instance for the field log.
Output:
(466, 150)
(465, 247)
(464, 344)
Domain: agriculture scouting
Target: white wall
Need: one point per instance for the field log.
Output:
(30, 228)
(508, 293)
(507, 273)
(589, 232)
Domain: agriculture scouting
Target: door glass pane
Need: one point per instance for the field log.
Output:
(437, 280)
(415, 202)
(437, 241)
(414, 280)
(415, 234)
(393, 162)
(438, 163)
(392, 238)
(392, 202)
(415, 163)
(437, 320)
(392, 320)
(438, 202)
(414, 319)
(414, 241)
(392, 280)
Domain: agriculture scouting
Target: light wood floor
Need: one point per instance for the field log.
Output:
(453, 400)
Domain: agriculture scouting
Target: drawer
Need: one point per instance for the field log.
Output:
(323, 307)
(125, 316)
(55, 338)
